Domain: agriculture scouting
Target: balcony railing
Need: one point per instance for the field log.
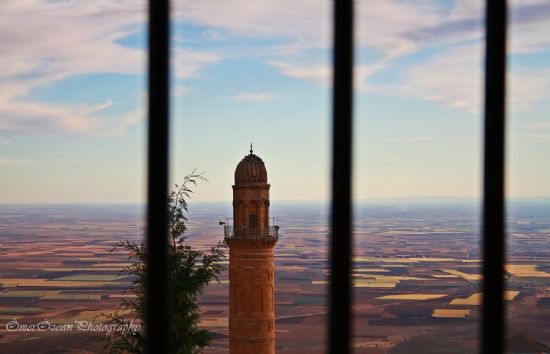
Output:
(246, 233)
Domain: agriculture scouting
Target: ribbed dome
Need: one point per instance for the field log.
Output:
(251, 169)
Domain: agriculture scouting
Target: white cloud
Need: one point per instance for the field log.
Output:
(538, 129)
(187, 63)
(408, 139)
(321, 74)
(61, 39)
(304, 22)
(533, 136)
(253, 97)
(455, 78)
(387, 30)
(382, 26)
(454, 75)
(42, 118)
(11, 162)
(179, 90)
(43, 42)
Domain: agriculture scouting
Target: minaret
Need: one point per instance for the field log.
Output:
(251, 240)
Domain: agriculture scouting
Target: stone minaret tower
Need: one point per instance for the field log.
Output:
(251, 240)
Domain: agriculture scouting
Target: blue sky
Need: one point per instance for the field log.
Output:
(72, 97)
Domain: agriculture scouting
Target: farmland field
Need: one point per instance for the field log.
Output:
(416, 274)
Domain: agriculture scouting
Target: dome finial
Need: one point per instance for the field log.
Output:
(251, 147)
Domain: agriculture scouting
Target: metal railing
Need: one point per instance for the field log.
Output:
(246, 233)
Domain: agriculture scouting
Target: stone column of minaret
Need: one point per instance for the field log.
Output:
(251, 240)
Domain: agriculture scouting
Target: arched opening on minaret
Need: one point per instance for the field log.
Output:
(253, 216)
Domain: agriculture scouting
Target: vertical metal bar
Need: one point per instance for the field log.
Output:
(340, 298)
(156, 309)
(493, 325)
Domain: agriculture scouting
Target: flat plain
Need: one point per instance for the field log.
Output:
(416, 273)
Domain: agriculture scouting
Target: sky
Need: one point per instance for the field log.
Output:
(73, 98)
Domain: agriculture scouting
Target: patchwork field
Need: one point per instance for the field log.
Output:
(416, 272)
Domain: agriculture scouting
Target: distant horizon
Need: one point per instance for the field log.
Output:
(417, 199)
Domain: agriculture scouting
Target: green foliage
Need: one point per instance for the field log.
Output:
(190, 271)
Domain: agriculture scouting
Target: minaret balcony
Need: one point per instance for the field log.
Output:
(247, 233)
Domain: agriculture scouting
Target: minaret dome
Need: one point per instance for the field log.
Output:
(251, 169)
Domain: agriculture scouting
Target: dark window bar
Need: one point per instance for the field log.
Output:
(156, 308)
(340, 297)
(341, 211)
(493, 318)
